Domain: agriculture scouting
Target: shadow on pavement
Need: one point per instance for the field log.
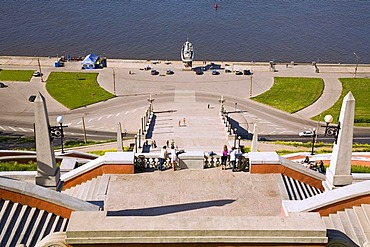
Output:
(170, 209)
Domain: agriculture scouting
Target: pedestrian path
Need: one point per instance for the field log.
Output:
(190, 124)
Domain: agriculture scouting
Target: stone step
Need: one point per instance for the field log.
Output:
(43, 231)
(9, 222)
(357, 229)
(328, 223)
(336, 222)
(22, 235)
(103, 187)
(348, 229)
(31, 240)
(85, 189)
(64, 225)
(17, 224)
(90, 195)
(364, 220)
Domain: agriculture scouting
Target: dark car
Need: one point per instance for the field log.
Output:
(215, 72)
(199, 72)
(154, 72)
(247, 72)
(169, 72)
(2, 85)
(238, 72)
(228, 71)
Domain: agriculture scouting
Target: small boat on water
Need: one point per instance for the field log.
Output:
(187, 52)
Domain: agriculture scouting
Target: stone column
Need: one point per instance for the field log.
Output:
(47, 172)
(339, 172)
(255, 139)
(119, 138)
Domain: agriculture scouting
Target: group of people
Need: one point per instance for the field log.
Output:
(172, 154)
(316, 166)
(225, 154)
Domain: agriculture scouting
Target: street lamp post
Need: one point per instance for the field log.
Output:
(331, 130)
(60, 120)
(357, 58)
(239, 138)
(313, 141)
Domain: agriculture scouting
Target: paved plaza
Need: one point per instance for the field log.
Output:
(210, 192)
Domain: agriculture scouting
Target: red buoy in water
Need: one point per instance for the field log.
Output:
(216, 6)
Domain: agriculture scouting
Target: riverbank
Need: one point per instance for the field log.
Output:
(362, 69)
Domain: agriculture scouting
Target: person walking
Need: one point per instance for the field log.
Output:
(233, 158)
(225, 153)
(162, 157)
(173, 157)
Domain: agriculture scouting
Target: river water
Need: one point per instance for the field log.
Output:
(240, 30)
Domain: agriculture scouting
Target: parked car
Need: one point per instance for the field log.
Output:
(228, 71)
(307, 133)
(154, 72)
(37, 74)
(238, 72)
(215, 72)
(169, 72)
(2, 84)
(199, 72)
(247, 72)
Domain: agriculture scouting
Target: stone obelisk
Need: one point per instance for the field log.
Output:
(47, 172)
(339, 171)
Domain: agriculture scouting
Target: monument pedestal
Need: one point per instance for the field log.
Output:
(48, 181)
(337, 180)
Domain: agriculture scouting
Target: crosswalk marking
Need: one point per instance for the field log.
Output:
(11, 128)
(109, 116)
(117, 114)
(2, 127)
(100, 118)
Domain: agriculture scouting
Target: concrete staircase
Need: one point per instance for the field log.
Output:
(298, 190)
(202, 131)
(354, 222)
(92, 190)
(21, 224)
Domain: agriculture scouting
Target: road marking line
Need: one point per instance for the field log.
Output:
(69, 124)
(12, 128)
(109, 116)
(126, 113)
(2, 127)
(89, 120)
(32, 130)
(134, 111)
(117, 114)
(79, 122)
(272, 132)
(22, 129)
(100, 118)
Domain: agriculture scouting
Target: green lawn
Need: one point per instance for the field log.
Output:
(292, 94)
(75, 90)
(16, 75)
(360, 90)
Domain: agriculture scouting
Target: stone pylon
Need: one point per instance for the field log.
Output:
(47, 172)
(339, 171)
(255, 139)
(119, 138)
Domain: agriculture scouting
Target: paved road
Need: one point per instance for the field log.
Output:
(133, 89)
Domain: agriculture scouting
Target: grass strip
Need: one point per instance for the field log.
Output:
(292, 94)
(16, 75)
(359, 88)
(74, 90)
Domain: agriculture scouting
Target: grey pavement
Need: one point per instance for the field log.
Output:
(210, 192)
